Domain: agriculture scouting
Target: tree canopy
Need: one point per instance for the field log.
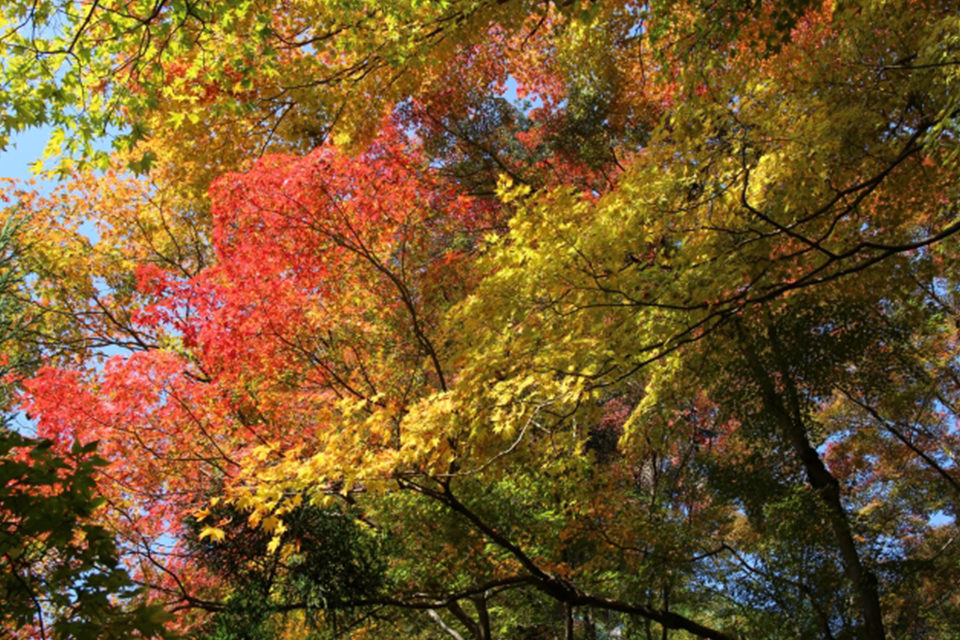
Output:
(503, 319)
(62, 575)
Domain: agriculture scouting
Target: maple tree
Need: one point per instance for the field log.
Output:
(61, 573)
(669, 349)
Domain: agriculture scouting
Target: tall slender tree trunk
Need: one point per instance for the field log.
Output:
(784, 407)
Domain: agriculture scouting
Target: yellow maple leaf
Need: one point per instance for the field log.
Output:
(215, 534)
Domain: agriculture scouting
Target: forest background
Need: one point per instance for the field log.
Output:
(481, 319)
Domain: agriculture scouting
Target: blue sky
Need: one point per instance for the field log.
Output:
(24, 149)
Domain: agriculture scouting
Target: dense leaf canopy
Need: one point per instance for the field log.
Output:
(61, 575)
(504, 319)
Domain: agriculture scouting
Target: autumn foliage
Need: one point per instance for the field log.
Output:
(505, 319)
